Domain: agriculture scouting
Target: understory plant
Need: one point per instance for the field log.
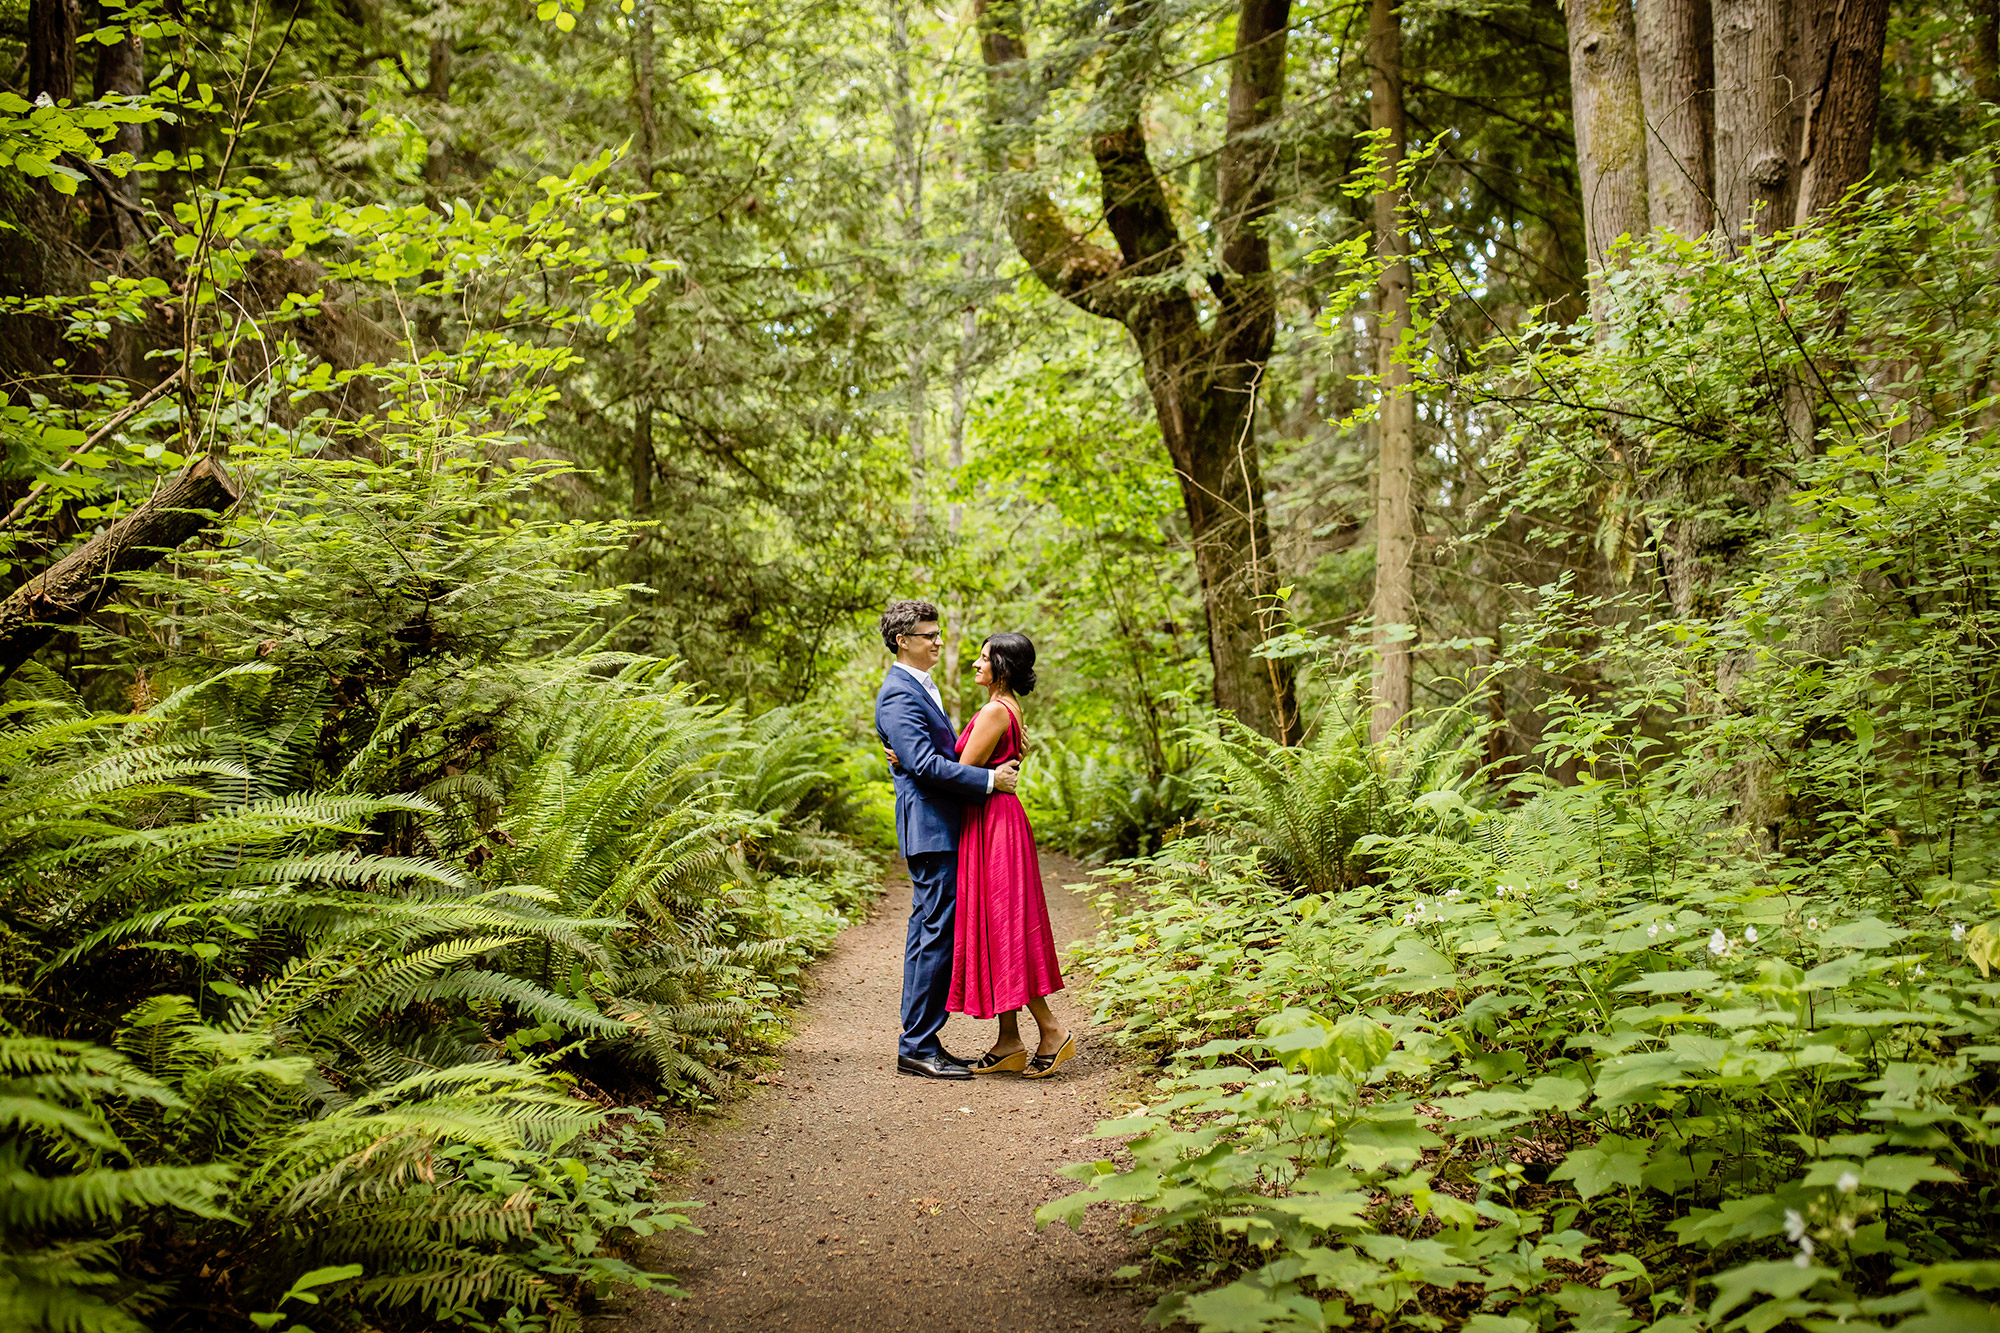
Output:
(1692, 1022)
(326, 966)
(290, 1030)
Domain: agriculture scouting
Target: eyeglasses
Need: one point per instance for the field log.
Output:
(935, 636)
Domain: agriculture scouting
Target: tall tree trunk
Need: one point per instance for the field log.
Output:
(1610, 116)
(910, 191)
(52, 34)
(1676, 84)
(1246, 327)
(1983, 61)
(1395, 602)
(1841, 46)
(643, 463)
(1753, 116)
(437, 88)
(1203, 380)
(643, 59)
(121, 69)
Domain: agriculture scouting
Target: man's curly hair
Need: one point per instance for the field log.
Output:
(903, 617)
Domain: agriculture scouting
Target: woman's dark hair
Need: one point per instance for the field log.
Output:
(1013, 660)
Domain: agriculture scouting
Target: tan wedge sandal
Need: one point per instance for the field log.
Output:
(990, 1063)
(1044, 1065)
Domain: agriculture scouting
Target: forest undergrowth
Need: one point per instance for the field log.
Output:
(357, 976)
(361, 912)
(1695, 1022)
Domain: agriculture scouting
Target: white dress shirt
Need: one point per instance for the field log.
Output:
(930, 688)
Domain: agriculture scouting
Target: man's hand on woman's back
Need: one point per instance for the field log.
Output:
(1007, 777)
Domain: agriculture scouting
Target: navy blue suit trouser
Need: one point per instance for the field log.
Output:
(927, 951)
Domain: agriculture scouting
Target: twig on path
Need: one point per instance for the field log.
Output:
(969, 1217)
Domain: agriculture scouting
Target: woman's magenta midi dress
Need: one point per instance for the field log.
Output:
(1004, 953)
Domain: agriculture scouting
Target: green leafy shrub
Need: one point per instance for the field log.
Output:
(1105, 804)
(1654, 1079)
(1692, 1025)
(237, 1019)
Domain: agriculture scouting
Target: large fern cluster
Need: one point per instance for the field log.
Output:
(261, 1021)
(637, 802)
(1311, 808)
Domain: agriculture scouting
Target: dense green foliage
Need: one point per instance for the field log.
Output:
(1707, 1035)
(352, 885)
(270, 1011)
(368, 864)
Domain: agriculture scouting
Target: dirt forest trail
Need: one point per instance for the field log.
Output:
(848, 1197)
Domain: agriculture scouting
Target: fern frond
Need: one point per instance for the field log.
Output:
(31, 1201)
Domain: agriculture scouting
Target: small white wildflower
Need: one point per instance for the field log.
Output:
(1420, 909)
(1958, 930)
(1848, 1182)
(1795, 1229)
(1812, 923)
(1668, 926)
(1572, 886)
(1450, 894)
(1500, 892)
(1845, 1226)
(1718, 943)
(1750, 934)
(1653, 931)
(1917, 971)
(43, 99)
(1408, 917)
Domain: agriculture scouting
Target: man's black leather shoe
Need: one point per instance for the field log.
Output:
(951, 1059)
(933, 1068)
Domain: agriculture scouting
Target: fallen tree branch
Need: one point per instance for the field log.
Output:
(116, 420)
(78, 584)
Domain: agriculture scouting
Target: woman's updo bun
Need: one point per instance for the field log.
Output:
(1013, 659)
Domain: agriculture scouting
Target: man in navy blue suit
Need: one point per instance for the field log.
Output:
(931, 787)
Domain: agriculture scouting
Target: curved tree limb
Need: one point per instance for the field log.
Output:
(1203, 380)
(78, 584)
(1075, 269)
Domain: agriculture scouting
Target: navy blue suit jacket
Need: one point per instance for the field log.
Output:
(931, 786)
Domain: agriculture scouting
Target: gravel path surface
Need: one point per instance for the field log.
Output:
(846, 1196)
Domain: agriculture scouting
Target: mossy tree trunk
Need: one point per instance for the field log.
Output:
(1609, 112)
(1203, 376)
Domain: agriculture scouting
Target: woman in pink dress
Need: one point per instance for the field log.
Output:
(1004, 953)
